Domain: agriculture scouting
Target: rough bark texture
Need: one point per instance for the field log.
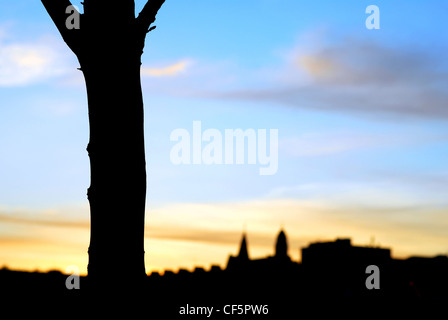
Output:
(109, 45)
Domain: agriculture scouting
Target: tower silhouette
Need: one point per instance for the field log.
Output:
(281, 246)
(243, 254)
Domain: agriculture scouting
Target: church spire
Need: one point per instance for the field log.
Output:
(243, 255)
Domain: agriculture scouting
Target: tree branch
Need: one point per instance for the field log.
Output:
(148, 14)
(57, 11)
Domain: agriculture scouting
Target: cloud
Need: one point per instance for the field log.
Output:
(319, 144)
(193, 78)
(23, 63)
(388, 190)
(168, 71)
(353, 76)
(335, 142)
(36, 221)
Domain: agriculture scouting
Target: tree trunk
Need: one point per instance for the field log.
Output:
(109, 45)
(117, 160)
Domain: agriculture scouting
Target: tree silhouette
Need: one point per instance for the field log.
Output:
(108, 44)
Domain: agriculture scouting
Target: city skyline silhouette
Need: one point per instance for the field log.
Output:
(332, 272)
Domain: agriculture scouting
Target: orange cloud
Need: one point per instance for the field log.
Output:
(316, 66)
(168, 71)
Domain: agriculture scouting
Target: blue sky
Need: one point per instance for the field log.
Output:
(362, 118)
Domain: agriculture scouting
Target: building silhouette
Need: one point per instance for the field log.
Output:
(342, 252)
(279, 262)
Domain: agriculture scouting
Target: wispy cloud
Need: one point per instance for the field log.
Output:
(319, 144)
(167, 71)
(336, 142)
(23, 63)
(387, 190)
(356, 77)
(38, 221)
(348, 75)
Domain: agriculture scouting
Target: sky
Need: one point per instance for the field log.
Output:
(361, 117)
